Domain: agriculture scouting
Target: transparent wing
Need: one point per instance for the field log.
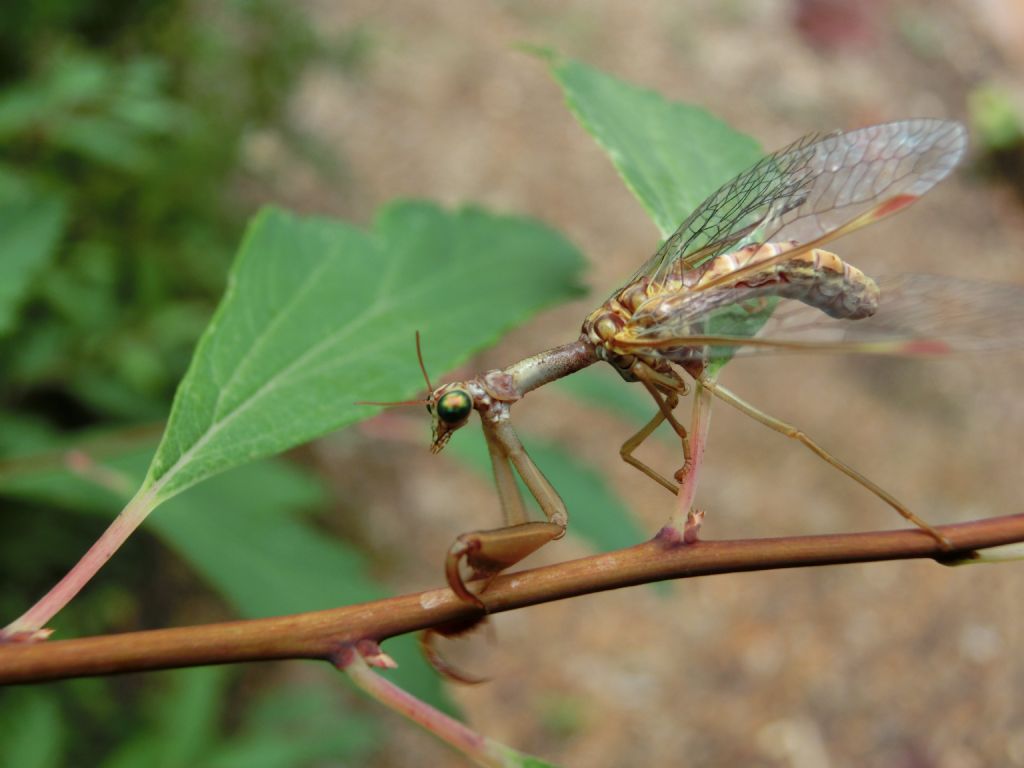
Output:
(917, 315)
(817, 188)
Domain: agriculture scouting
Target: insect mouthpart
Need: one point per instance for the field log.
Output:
(441, 438)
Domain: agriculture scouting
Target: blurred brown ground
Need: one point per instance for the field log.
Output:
(899, 664)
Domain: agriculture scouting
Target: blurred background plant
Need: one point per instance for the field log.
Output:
(126, 124)
(137, 137)
(124, 128)
(997, 116)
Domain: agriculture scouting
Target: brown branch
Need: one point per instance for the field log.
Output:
(321, 634)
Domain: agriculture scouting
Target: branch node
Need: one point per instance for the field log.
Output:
(670, 536)
(958, 558)
(374, 656)
(691, 531)
(25, 636)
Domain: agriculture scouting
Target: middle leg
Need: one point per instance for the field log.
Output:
(665, 406)
(665, 391)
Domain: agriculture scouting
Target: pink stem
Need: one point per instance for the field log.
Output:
(477, 748)
(699, 423)
(29, 624)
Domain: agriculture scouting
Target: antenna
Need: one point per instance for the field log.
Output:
(419, 356)
(423, 368)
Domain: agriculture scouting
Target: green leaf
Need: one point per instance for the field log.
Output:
(189, 717)
(298, 725)
(319, 315)
(105, 142)
(288, 725)
(601, 386)
(670, 154)
(240, 532)
(511, 758)
(184, 721)
(30, 229)
(31, 732)
(15, 184)
(23, 433)
(744, 319)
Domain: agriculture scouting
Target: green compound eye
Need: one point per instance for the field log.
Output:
(454, 406)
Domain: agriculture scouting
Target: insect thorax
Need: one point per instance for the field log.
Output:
(603, 324)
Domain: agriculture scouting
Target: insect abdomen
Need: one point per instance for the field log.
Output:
(818, 278)
(824, 281)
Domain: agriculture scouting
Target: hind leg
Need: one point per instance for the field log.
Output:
(792, 432)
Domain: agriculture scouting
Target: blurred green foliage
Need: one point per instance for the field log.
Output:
(180, 721)
(997, 121)
(124, 187)
(135, 118)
